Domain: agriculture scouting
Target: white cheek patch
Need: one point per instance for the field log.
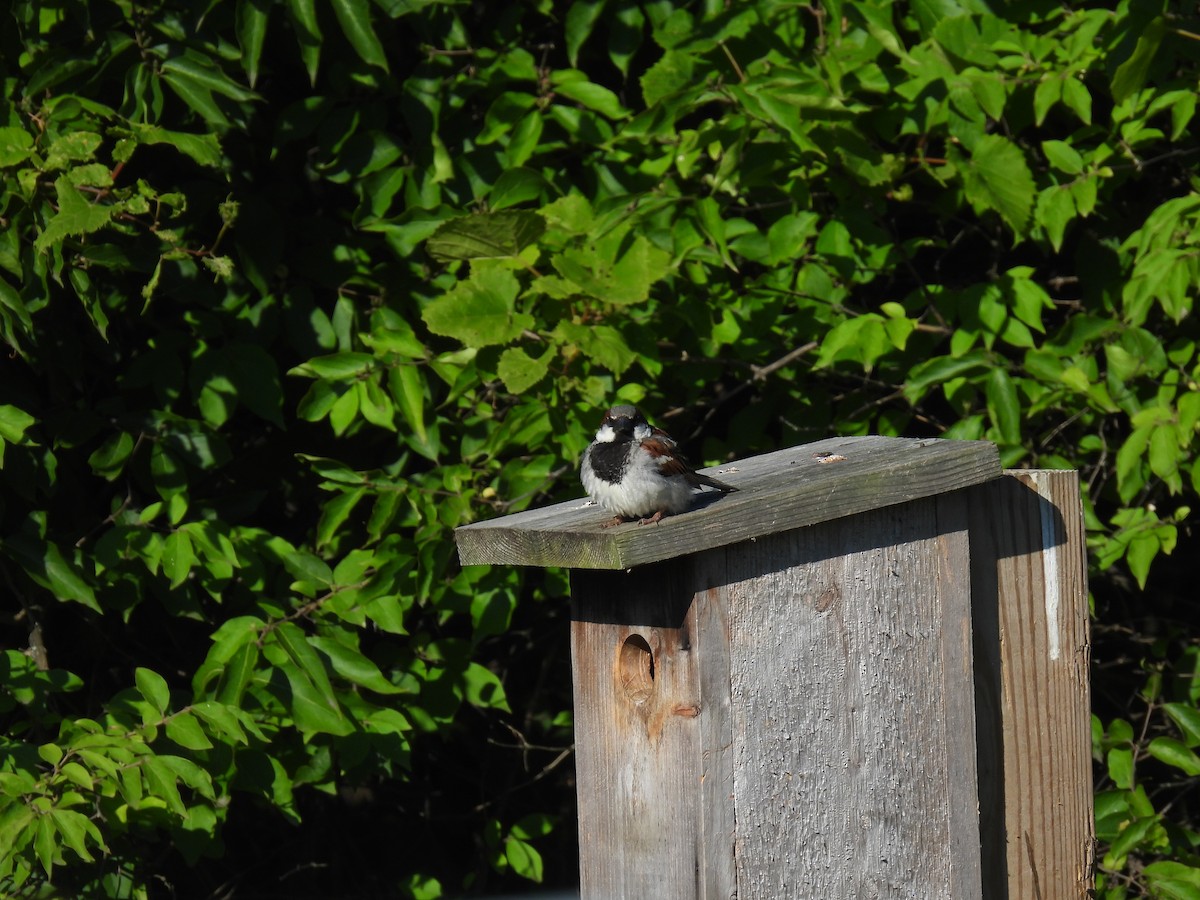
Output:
(606, 435)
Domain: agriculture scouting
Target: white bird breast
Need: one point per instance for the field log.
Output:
(642, 491)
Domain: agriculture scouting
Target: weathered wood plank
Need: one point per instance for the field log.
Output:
(1029, 577)
(717, 876)
(806, 729)
(638, 745)
(777, 491)
(852, 700)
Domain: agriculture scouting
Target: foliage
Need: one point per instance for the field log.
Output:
(291, 290)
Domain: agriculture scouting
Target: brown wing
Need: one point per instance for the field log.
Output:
(658, 434)
(663, 452)
(671, 464)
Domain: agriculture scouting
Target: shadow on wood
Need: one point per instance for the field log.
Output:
(1032, 655)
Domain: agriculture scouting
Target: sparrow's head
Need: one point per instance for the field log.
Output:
(622, 423)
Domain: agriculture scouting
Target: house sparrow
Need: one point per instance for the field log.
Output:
(634, 470)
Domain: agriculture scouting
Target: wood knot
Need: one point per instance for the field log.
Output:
(687, 710)
(827, 598)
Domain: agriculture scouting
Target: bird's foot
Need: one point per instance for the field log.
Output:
(654, 519)
(615, 520)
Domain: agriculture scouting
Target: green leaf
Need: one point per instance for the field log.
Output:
(940, 369)
(204, 149)
(185, 731)
(334, 515)
(153, 687)
(1120, 767)
(615, 270)
(862, 339)
(337, 366)
(109, 460)
(1131, 74)
(75, 216)
(78, 775)
(314, 705)
(407, 387)
(1187, 719)
(525, 138)
(593, 96)
(516, 185)
(65, 579)
(198, 98)
(76, 829)
(1048, 92)
(519, 371)
(1055, 211)
(1164, 452)
(1063, 156)
(1175, 753)
(178, 557)
(478, 311)
(602, 344)
(524, 859)
(1004, 408)
(204, 73)
(1129, 462)
(46, 844)
(997, 177)
(1077, 98)
(625, 33)
(1173, 880)
(308, 34)
(163, 784)
(354, 667)
(374, 405)
(355, 18)
(14, 422)
(221, 719)
(878, 20)
(498, 235)
(306, 567)
(483, 688)
(580, 21)
(252, 17)
(16, 146)
(1140, 554)
(314, 710)
(532, 826)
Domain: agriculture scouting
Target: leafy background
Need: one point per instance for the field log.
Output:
(290, 289)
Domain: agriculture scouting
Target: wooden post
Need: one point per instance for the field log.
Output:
(775, 694)
(1029, 593)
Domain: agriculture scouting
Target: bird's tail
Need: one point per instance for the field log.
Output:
(713, 483)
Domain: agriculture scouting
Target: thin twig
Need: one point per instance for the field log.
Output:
(733, 62)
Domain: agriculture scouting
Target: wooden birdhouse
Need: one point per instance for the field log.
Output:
(864, 674)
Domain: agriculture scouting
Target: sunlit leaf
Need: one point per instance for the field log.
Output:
(497, 235)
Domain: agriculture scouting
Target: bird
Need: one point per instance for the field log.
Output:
(635, 471)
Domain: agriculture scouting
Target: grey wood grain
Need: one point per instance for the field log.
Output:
(1029, 577)
(802, 725)
(636, 757)
(853, 700)
(777, 491)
